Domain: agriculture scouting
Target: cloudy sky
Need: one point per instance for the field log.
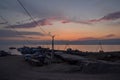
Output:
(67, 19)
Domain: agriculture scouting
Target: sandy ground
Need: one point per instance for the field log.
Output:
(15, 68)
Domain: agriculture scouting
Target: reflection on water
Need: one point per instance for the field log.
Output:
(93, 48)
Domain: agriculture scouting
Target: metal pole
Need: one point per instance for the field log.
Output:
(101, 49)
(52, 54)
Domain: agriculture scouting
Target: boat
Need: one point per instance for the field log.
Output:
(12, 48)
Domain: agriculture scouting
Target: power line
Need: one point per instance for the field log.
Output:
(8, 24)
(39, 26)
(3, 20)
(31, 16)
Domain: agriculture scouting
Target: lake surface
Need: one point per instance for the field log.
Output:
(93, 48)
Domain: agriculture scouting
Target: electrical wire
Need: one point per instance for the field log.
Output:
(25, 9)
(18, 33)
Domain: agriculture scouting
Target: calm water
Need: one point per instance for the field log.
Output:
(93, 48)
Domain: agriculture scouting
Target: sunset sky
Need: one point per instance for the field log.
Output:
(66, 19)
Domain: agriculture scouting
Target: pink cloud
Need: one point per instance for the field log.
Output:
(45, 22)
(64, 20)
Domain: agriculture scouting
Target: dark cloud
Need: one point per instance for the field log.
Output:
(110, 35)
(25, 25)
(10, 33)
(31, 33)
(48, 21)
(44, 22)
(110, 16)
(78, 22)
(32, 24)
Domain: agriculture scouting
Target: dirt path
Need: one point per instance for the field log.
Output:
(15, 68)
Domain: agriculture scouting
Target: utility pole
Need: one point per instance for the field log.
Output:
(52, 54)
(101, 49)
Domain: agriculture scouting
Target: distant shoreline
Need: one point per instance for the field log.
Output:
(90, 48)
